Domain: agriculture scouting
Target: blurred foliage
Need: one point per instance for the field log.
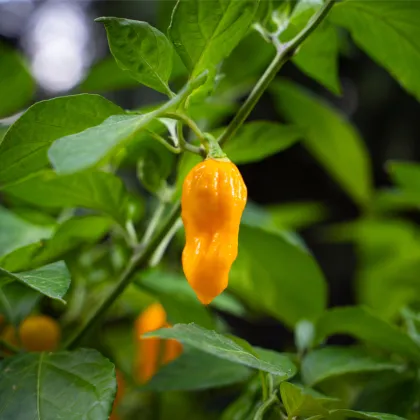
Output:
(87, 185)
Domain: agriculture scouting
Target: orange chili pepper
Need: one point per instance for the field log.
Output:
(119, 396)
(213, 200)
(153, 352)
(39, 333)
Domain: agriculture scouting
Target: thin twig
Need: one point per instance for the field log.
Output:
(284, 53)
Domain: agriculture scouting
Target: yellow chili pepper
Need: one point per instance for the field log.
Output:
(39, 333)
(153, 352)
(213, 200)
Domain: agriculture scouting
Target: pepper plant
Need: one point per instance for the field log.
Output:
(83, 245)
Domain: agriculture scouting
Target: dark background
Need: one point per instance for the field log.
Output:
(386, 116)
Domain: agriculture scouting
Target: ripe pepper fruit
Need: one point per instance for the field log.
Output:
(153, 352)
(213, 200)
(39, 333)
(119, 396)
(35, 333)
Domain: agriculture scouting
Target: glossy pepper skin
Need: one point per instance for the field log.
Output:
(213, 200)
(152, 352)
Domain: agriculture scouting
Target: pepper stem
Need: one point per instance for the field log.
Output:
(213, 149)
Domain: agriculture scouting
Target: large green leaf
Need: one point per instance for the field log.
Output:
(339, 414)
(361, 324)
(204, 33)
(161, 283)
(329, 362)
(52, 280)
(17, 301)
(16, 84)
(391, 392)
(273, 267)
(299, 401)
(140, 49)
(389, 32)
(318, 57)
(99, 191)
(83, 150)
(258, 140)
(24, 147)
(177, 297)
(211, 342)
(48, 386)
(106, 75)
(17, 232)
(407, 176)
(329, 137)
(239, 72)
(69, 235)
(186, 373)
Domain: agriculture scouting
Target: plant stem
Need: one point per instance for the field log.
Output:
(284, 53)
(138, 261)
(8, 346)
(143, 254)
(154, 221)
(162, 141)
(259, 415)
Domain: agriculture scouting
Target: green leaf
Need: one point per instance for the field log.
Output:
(186, 373)
(204, 33)
(361, 324)
(388, 32)
(23, 150)
(140, 49)
(257, 140)
(298, 215)
(210, 342)
(243, 406)
(177, 297)
(239, 72)
(154, 165)
(352, 414)
(69, 235)
(16, 84)
(57, 385)
(107, 76)
(318, 55)
(271, 266)
(329, 137)
(98, 191)
(329, 362)
(406, 176)
(52, 280)
(17, 232)
(391, 392)
(80, 151)
(17, 302)
(298, 402)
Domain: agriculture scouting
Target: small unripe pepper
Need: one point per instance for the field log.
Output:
(213, 200)
(152, 352)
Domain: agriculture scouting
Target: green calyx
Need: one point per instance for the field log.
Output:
(214, 151)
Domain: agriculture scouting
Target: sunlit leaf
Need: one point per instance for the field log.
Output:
(140, 49)
(23, 150)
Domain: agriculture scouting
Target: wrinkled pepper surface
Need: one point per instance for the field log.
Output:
(153, 352)
(213, 200)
